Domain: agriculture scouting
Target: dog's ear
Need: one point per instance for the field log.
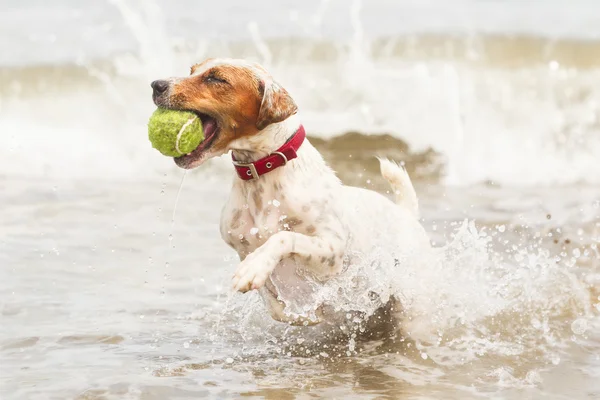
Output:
(276, 104)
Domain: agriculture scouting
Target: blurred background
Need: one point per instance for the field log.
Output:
(476, 90)
(114, 282)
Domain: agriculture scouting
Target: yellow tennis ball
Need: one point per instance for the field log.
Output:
(175, 133)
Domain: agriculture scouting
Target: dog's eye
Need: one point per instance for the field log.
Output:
(213, 78)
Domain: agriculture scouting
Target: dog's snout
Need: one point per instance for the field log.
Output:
(159, 86)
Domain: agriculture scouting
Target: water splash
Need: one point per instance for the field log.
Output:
(461, 303)
(146, 22)
(488, 120)
(177, 199)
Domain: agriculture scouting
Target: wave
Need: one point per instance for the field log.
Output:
(506, 51)
(513, 110)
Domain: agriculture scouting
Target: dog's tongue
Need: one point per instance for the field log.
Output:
(209, 125)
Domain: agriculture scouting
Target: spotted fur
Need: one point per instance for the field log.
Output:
(298, 220)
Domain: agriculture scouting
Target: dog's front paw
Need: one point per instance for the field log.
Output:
(253, 272)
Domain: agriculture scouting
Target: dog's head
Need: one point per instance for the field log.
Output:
(235, 99)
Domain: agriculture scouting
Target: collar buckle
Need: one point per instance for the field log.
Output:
(251, 171)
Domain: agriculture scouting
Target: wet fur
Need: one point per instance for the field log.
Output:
(297, 223)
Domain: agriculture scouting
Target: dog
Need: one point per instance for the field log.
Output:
(289, 218)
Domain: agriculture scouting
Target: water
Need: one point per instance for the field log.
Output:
(107, 292)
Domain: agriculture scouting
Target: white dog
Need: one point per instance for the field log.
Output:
(288, 216)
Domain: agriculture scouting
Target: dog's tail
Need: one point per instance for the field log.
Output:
(401, 185)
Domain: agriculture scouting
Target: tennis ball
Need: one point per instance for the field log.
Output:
(174, 133)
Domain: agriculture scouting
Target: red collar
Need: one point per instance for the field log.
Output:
(287, 152)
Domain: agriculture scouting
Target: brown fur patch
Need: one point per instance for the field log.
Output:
(276, 105)
(311, 229)
(258, 200)
(235, 219)
(292, 222)
(242, 104)
(234, 104)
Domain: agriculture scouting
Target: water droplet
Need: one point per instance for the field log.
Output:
(424, 356)
(533, 377)
(186, 345)
(229, 360)
(501, 228)
(141, 316)
(555, 359)
(276, 203)
(240, 236)
(254, 231)
(576, 253)
(579, 326)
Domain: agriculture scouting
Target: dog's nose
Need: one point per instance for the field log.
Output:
(159, 86)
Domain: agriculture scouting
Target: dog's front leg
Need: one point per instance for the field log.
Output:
(253, 272)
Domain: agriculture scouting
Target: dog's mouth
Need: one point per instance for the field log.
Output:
(211, 128)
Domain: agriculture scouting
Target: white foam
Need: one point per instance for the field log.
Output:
(462, 301)
(530, 126)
